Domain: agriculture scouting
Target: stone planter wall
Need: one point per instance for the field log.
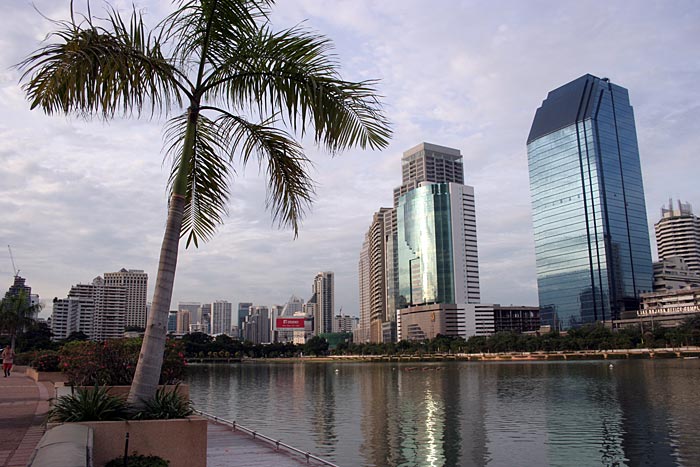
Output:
(53, 376)
(183, 442)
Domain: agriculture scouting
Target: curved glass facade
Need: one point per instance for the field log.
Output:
(589, 215)
(425, 246)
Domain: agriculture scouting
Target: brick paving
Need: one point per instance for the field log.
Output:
(23, 407)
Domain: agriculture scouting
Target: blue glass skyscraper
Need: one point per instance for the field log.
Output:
(589, 215)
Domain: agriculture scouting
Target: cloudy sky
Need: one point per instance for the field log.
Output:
(79, 198)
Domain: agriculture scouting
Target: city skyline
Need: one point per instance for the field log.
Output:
(82, 197)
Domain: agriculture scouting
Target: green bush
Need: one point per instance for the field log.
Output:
(165, 405)
(26, 358)
(113, 362)
(93, 404)
(137, 460)
(46, 360)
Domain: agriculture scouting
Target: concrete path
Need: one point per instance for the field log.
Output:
(23, 407)
(24, 404)
(228, 448)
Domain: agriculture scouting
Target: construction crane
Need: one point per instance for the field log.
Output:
(14, 268)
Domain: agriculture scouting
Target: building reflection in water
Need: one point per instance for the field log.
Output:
(320, 393)
(650, 437)
(636, 414)
(429, 415)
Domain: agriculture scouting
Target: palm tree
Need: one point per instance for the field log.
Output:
(247, 92)
(16, 313)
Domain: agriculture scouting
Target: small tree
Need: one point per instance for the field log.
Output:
(316, 346)
(17, 313)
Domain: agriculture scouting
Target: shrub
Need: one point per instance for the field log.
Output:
(113, 362)
(93, 404)
(137, 460)
(166, 404)
(26, 358)
(46, 360)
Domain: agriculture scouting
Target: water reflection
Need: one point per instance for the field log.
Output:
(638, 413)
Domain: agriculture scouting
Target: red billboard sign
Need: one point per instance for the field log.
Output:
(289, 323)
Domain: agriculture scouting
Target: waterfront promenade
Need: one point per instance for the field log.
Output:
(229, 448)
(24, 404)
(23, 407)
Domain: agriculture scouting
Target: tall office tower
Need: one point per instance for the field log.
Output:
(362, 332)
(96, 309)
(345, 323)
(136, 283)
(183, 322)
(437, 260)
(275, 312)
(256, 327)
(205, 318)
(221, 317)
(194, 313)
(421, 166)
(172, 321)
(378, 314)
(590, 224)
(323, 290)
(678, 234)
(243, 310)
(293, 305)
(19, 286)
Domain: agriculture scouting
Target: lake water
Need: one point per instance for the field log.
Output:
(637, 413)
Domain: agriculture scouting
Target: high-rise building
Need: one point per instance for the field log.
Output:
(221, 317)
(345, 323)
(183, 322)
(678, 234)
(135, 281)
(436, 259)
(194, 313)
(363, 328)
(323, 289)
(378, 310)
(243, 310)
(98, 310)
(437, 245)
(293, 305)
(426, 241)
(589, 216)
(256, 327)
(19, 287)
(290, 309)
(172, 321)
(205, 318)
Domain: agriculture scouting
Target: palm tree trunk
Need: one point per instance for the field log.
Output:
(150, 361)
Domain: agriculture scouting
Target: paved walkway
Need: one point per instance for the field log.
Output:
(228, 448)
(23, 407)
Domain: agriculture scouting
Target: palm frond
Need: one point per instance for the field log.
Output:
(207, 178)
(104, 67)
(218, 22)
(293, 73)
(290, 188)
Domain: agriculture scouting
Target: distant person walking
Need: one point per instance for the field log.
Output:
(8, 357)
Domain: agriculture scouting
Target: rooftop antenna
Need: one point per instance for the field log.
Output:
(14, 268)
